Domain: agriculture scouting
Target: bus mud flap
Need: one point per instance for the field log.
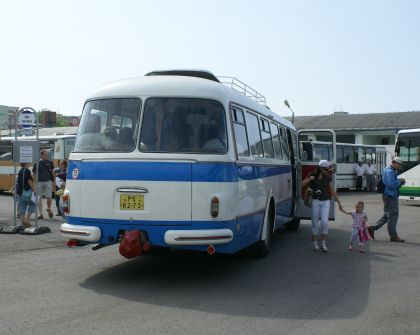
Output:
(133, 243)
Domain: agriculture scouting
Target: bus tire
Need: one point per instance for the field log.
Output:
(293, 225)
(262, 247)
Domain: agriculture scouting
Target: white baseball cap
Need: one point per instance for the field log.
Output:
(398, 160)
(324, 163)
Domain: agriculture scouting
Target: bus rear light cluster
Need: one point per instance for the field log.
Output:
(66, 203)
(214, 207)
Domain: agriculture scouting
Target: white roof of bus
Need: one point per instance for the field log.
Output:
(181, 86)
(406, 131)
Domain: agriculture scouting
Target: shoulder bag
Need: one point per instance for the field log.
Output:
(26, 194)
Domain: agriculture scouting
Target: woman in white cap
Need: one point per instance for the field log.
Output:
(321, 183)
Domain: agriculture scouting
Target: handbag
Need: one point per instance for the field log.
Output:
(363, 233)
(26, 194)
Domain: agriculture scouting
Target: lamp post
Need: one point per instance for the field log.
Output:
(293, 113)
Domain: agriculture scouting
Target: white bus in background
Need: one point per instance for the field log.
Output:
(186, 161)
(408, 148)
(58, 146)
(348, 155)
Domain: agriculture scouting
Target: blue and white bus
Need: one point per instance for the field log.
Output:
(185, 160)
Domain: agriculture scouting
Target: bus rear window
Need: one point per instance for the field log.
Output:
(108, 125)
(178, 125)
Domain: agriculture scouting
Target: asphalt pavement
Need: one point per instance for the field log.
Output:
(16, 242)
(47, 288)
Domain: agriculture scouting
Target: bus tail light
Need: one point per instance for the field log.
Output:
(211, 249)
(214, 207)
(66, 203)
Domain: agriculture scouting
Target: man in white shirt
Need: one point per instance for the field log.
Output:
(359, 171)
(370, 177)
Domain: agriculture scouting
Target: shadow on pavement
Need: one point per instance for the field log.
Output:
(293, 282)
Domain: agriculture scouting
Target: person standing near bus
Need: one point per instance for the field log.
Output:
(390, 199)
(60, 177)
(370, 176)
(359, 172)
(25, 183)
(46, 181)
(321, 183)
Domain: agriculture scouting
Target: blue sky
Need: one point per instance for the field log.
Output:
(358, 56)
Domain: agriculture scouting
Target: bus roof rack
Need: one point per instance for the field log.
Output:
(186, 73)
(243, 88)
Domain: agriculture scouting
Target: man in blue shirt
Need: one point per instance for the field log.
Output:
(390, 199)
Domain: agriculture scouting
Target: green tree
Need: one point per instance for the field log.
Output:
(59, 120)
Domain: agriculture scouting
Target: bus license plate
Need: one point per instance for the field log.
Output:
(131, 201)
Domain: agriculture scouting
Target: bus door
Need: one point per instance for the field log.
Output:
(314, 145)
(293, 149)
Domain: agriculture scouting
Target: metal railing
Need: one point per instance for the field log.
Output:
(243, 88)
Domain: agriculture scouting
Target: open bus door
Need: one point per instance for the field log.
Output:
(309, 157)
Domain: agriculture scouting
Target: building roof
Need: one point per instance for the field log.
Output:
(373, 121)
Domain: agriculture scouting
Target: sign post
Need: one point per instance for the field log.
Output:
(24, 152)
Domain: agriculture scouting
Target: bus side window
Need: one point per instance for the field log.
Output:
(307, 147)
(266, 138)
(284, 143)
(254, 135)
(242, 147)
(276, 141)
(339, 152)
(348, 153)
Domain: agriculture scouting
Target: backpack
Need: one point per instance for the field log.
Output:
(380, 186)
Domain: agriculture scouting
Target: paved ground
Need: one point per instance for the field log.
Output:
(11, 243)
(47, 288)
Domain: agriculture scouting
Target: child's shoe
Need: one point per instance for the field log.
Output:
(350, 247)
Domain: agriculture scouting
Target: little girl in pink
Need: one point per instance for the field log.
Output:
(358, 226)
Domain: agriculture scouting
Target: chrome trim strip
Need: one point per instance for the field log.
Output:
(198, 237)
(133, 190)
(80, 233)
(71, 231)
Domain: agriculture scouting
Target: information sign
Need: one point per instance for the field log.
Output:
(26, 118)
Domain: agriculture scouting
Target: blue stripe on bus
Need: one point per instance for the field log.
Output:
(172, 171)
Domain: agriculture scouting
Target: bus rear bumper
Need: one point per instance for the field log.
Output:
(198, 237)
(80, 233)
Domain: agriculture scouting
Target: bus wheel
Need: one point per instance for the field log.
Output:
(293, 225)
(262, 248)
